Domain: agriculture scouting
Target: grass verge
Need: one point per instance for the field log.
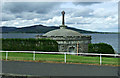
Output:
(60, 58)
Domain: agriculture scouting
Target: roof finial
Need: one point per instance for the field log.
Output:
(63, 21)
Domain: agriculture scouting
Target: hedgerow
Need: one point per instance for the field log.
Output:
(29, 45)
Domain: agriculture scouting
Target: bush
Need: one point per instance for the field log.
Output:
(100, 48)
(29, 45)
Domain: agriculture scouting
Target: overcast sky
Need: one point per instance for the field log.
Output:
(93, 16)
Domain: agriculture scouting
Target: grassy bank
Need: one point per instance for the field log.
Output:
(60, 58)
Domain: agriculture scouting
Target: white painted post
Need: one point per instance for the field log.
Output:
(33, 55)
(65, 57)
(6, 55)
(100, 59)
(115, 55)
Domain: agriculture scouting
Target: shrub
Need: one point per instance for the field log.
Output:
(29, 45)
(100, 48)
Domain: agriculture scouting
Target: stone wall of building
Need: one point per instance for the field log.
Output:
(69, 43)
(82, 47)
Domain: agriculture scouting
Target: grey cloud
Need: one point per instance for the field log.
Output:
(82, 12)
(32, 15)
(85, 12)
(28, 10)
(86, 3)
(6, 17)
(39, 7)
(28, 15)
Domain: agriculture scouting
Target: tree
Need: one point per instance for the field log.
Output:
(103, 48)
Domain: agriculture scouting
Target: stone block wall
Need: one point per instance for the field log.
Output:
(69, 43)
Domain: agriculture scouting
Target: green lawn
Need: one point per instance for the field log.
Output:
(60, 58)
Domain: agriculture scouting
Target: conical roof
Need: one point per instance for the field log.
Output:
(62, 32)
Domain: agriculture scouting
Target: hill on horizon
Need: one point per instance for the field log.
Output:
(38, 29)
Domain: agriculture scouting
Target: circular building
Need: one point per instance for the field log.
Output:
(68, 40)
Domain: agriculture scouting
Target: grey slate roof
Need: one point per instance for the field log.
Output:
(62, 32)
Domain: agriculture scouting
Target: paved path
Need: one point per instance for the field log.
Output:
(50, 69)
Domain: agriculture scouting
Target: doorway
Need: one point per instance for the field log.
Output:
(72, 49)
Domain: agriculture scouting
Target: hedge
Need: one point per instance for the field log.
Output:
(100, 48)
(29, 45)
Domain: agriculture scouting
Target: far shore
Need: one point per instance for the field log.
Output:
(43, 33)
